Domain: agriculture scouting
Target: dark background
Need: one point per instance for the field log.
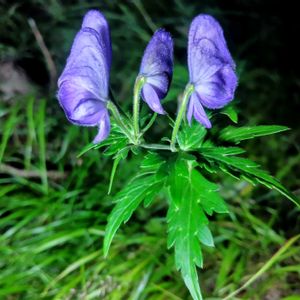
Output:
(261, 34)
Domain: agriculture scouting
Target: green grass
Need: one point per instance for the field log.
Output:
(52, 238)
(54, 205)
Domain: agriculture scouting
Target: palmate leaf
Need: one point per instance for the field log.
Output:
(143, 187)
(151, 162)
(244, 168)
(191, 195)
(191, 137)
(237, 134)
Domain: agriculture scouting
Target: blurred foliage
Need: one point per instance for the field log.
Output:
(53, 205)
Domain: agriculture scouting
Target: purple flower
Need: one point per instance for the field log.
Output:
(157, 68)
(84, 84)
(211, 68)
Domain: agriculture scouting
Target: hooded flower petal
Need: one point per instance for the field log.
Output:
(95, 20)
(103, 127)
(211, 67)
(151, 97)
(218, 91)
(157, 69)
(196, 109)
(84, 83)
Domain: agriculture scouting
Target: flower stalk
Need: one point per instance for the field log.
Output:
(189, 89)
(140, 80)
(156, 146)
(115, 112)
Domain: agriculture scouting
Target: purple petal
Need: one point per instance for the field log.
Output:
(80, 105)
(205, 62)
(207, 27)
(87, 64)
(196, 109)
(84, 82)
(211, 67)
(95, 20)
(217, 91)
(158, 55)
(103, 128)
(157, 64)
(160, 83)
(150, 96)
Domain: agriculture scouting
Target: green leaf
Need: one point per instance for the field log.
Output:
(208, 195)
(223, 151)
(205, 236)
(142, 187)
(230, 112)
(115, 142)
(86, 149)
(191, 195)
(151, 162)
(237, 134)
(246, 169)
(191, 137)
(122, 154)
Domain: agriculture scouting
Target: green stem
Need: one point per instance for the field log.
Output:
(115, 112)
(156, 146)
(186, 95)
(152, 120)
(139, 82)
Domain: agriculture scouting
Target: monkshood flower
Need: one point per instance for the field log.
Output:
(211, 69)
(156, 69)
(84, 83)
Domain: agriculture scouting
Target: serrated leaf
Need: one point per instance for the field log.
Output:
(128, 199)
(191, 137)
(135, 149)
(237, 134)
(115, 146)
(190, 195)
(208, 195)
(223, 151)
(115, 142)
(208, 143)
(250, 170)
(205, 236)
(152, 161)
(185, 217)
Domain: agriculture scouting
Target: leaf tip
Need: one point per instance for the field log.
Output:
(106, 245)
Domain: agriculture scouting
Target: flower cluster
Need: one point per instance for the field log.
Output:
(84, 83)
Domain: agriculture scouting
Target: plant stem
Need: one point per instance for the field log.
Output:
(121, 111)
(186, 95)
(139, 82)
(115, 112)
(156, 146)
(152, 120)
